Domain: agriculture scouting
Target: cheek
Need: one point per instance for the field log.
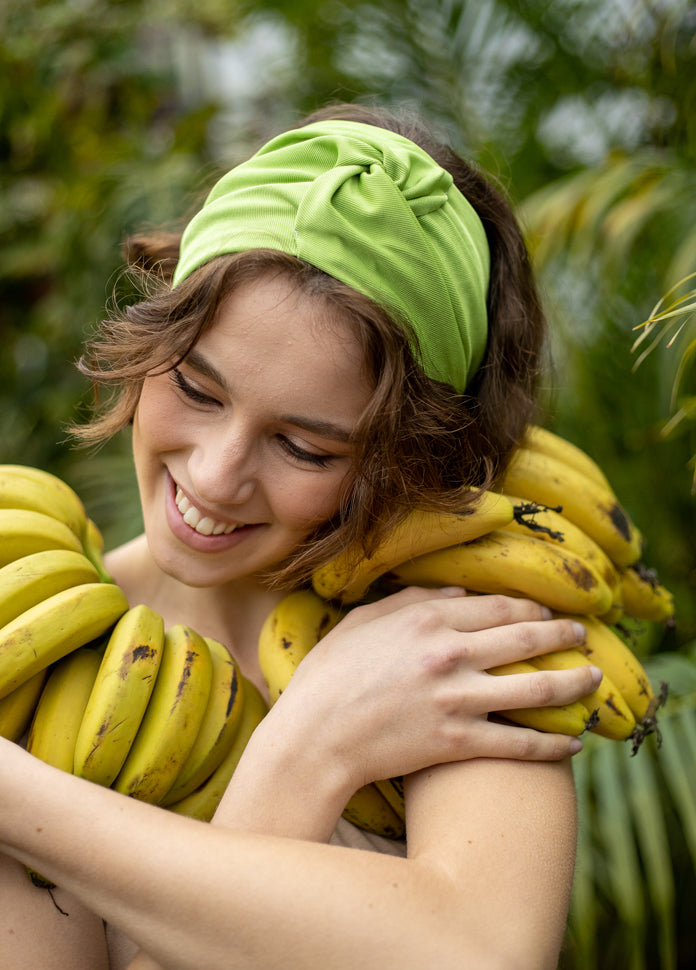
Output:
(307, 505)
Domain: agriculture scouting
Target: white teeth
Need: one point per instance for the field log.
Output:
(202, 524)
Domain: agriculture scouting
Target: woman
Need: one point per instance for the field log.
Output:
(351, 331)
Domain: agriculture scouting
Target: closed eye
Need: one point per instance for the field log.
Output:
(322, 461)
(189, 390)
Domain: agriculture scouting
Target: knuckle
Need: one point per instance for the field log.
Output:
(523, 744)
(542, 688)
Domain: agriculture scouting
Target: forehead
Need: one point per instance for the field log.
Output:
(273, 336)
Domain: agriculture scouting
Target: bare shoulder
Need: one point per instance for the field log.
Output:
(46, 929)
(504, 832)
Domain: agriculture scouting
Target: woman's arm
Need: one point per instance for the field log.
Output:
(149, 878)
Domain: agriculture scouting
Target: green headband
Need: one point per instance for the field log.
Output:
(372, 209)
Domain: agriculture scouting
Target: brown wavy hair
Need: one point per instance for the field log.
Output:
(419, 443)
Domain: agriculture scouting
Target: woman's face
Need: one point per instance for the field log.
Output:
(246, 446)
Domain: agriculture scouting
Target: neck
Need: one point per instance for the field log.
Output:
(232, 613)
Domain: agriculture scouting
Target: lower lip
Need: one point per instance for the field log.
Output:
(196, 540)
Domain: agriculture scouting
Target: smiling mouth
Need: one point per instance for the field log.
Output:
(203, 524)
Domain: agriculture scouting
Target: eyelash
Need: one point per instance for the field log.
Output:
(189, 390)
(180, 382)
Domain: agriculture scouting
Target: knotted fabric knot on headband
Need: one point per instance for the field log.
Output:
(372, 209)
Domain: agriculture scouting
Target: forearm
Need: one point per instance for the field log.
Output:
(193, 894)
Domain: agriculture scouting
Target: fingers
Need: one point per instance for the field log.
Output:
(544, 688)
(409, 596)
(523, 744)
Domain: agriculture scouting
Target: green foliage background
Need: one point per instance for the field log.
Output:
(116, 114)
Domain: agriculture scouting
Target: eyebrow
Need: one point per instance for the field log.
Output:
(325, 429)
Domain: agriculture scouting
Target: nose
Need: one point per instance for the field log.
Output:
(222, 468)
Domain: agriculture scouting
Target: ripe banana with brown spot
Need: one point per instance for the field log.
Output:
(548, 524)
(218, 728)
(615, 720)
(289, 632)
(606, 650)
(120, 695)
(541, 478)
(172, 719)
(370, 810)
(571, 719)
(515, 565)
(54, 628)
(349, 576)
(58, 714)
(27, 581)
(203, 802)
(644, 597)
(32, 489)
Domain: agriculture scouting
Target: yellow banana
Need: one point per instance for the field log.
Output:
(120, 695)
(369, 810)
(32, 579)
(540, 478)
(615, 719)
(549, 443)
(25, 487)
(392, 790)
(172, 719)
(503, 562)
(17, 709)
(643, 596)
(289, 632)
(350, 574)
(218, 728)
(201, 803)
(545, 523)
(23, 532)
(55, 627)
(606, 650)
(571, 719)
(53, 730)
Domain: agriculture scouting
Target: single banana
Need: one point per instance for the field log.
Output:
(606, 650)
(289, 632)
(614, 719)
(392, 790)
(369, 810)
(32, 579)
(541, 478)
(219, 726)
(23, 532)
(32, 489)
(643, 596)
(571, 719)
(548, 524)
(17, 709)
(548, 443)
(349, 575)
(55, 627)
(120, 695)
(53, 730)
(202, 803)
(503, 562)
(173, 717)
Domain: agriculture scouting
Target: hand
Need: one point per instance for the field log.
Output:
(401, 684)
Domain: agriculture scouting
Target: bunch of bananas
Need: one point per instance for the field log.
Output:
(556, 533)
(101, 689)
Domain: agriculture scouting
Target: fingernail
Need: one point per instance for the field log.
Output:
(453, 591)
(546, 613)
(597, 674)
(575, 746)
(580, 631)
